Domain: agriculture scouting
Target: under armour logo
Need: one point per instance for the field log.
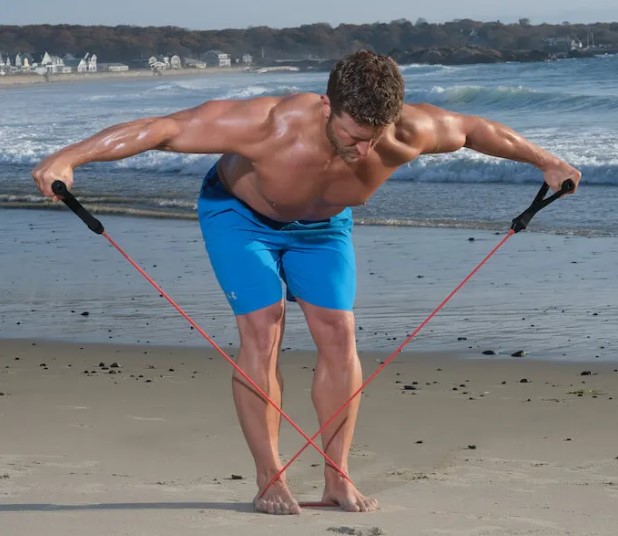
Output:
(232, 295)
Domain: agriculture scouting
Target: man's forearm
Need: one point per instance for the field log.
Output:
(116, 142)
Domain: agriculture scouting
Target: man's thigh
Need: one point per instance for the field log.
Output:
(247, 265)
(323, 273)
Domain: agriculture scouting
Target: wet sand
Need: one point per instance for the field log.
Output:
(550, 296)
(447, 444)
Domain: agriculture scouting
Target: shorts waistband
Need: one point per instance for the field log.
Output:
(213, 180)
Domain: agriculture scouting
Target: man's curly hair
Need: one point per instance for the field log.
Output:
(368, 87)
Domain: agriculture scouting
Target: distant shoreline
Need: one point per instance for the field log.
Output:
(31, 79)
(430, 56)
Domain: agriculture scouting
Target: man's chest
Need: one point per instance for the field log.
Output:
(337, 183)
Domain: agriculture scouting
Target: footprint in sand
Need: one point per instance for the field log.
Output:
(357, 531)
(360, 452)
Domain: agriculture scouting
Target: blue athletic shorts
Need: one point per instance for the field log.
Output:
(254, 256)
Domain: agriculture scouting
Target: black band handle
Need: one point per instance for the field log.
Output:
(60, 189)
(522, 221)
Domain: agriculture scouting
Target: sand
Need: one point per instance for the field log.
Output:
(554, 297)
(151, 447)
(29, 79)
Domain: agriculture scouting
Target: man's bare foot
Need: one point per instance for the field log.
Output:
(347, 497)
(277, 500)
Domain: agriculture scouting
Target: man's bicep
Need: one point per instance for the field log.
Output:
(451, 132)
(216, 127)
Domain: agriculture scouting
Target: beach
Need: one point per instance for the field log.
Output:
(447, 445)
(121, 421)
(498, 418)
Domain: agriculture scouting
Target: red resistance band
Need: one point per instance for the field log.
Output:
(518, 224)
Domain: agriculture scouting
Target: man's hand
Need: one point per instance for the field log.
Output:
(559, 172)
(49, 171)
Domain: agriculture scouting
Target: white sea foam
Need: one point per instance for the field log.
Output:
(258, 91)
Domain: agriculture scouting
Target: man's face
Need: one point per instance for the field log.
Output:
(349, 140)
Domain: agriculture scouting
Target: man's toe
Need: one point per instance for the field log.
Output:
(350, 506)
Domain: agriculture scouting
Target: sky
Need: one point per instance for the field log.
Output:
(213, 15)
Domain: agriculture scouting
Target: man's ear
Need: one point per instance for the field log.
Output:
(326, 109)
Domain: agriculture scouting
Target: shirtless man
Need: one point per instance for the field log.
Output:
(276, 208)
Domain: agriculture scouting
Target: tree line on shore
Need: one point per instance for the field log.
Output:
(420, 41)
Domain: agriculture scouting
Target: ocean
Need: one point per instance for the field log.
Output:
(551, 291)
(568, 106)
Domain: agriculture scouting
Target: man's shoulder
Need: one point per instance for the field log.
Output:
(422, 118)
(294, 110)
(295, 104)
(422, 110)
(281, 101)
(417, 126)
(430, 129)
(261, 110)
(296, 101)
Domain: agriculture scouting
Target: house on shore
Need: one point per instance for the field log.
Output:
(112, 67)
(87, 64)
(163, 63)
(192, 63)
(175, 62)
(217, 58)
(52, 65)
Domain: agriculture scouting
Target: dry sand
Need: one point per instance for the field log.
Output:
(29, 79)
(150, 447)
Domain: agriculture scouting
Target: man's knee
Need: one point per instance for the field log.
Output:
(260, 331)
(333, 331)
